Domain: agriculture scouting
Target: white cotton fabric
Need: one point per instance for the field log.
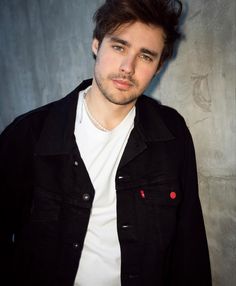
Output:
(101, 152)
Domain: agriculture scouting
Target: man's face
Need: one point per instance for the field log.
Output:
(126, 61)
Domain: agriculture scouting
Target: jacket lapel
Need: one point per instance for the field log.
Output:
(57, 136)
(148, 127)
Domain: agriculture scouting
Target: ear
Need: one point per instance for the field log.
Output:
(95, 46)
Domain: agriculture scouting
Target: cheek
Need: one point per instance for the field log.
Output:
(146, 74)
(101, 66)
(106, 63)
(105, 57)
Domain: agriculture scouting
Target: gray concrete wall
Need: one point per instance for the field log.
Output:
(45, 52)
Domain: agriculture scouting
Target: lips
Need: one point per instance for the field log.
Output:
(122, 84)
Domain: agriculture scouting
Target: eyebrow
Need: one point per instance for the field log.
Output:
(151, 53)
(118, 40)
(127, 44)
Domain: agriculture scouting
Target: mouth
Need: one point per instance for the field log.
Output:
(122, 84)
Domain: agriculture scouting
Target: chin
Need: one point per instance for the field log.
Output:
(121, 100)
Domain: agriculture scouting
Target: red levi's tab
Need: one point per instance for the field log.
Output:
(142, 194)
(173, 195)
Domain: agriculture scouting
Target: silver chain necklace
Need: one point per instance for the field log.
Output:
(95, 122)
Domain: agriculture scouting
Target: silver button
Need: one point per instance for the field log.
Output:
(126, 226)
(75, 245)
(76, 163)
(86, 197)
(124, 177)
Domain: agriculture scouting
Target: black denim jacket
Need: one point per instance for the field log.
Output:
(46, 199)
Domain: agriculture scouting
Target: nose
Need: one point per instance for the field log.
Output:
(128, 65)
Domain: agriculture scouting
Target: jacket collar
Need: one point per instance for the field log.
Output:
(57, 136)
(150, 121)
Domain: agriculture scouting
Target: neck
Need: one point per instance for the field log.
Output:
(106, 113)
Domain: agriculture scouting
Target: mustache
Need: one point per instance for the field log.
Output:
(123, 77)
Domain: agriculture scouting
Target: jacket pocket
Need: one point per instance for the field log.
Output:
(162, 201)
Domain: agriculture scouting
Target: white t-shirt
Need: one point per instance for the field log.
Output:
(101, 152)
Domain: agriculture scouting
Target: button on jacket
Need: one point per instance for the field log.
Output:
(47, 196)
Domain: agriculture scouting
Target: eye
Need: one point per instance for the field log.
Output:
(118, 48)
(146, 58)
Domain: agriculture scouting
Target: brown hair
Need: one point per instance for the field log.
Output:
(162, 13)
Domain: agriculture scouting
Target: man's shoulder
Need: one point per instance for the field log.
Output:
(38, 115)
(30, 123)
(154, 108)
(158, 120)
(25, 120)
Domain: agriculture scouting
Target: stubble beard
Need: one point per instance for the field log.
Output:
(119, 97)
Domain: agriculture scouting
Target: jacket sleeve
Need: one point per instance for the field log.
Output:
(15, 181)
(190, 263)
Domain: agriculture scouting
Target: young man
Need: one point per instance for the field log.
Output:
(100, 187)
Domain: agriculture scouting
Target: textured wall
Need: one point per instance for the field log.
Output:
(45, 52)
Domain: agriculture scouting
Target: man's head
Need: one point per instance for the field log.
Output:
(131, 41)
(161, 13)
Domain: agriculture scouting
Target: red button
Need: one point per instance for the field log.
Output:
(173, 195)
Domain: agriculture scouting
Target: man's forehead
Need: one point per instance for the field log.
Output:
(137, 34)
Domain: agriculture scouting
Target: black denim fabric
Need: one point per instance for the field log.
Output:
(46, 199)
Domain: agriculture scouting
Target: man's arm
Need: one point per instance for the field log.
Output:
(15, 171)
(191, 264)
